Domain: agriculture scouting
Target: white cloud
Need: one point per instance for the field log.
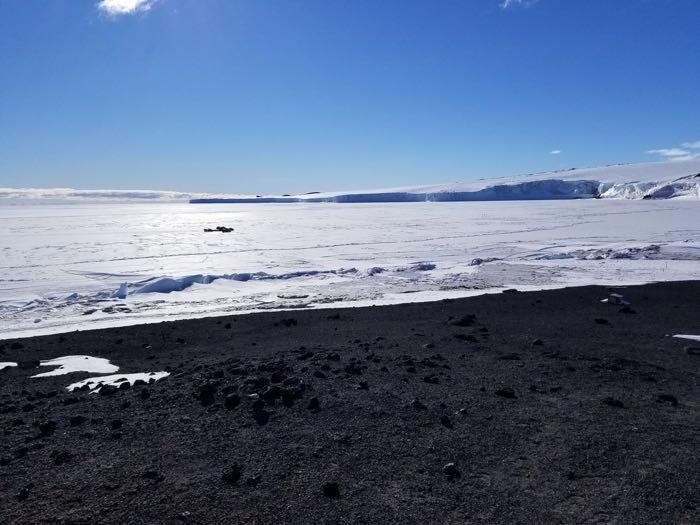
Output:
(691, 145)
(675, 153)
(507, 4)
(555, 152)
(124, 7)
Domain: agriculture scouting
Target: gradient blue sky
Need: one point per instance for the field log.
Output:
(290, 95)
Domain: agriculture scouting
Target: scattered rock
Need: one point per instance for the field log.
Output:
(331, 489)
(47, 428)
(668, 398)
(451, 471)
(508, 393)
(465, 320)
(232, 474)
(611, 401)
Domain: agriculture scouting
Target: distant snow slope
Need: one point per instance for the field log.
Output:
(659, 180)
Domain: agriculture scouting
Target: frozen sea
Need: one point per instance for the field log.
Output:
(81, 265)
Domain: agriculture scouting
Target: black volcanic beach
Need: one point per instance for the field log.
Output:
(519, 407)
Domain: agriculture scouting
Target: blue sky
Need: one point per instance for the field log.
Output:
(300, 95)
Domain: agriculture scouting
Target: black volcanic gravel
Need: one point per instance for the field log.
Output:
(538, 407)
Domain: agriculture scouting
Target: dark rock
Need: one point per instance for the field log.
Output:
(510, 357)
(451, 471)
(47, 428)
(153, 475)
(416, 403)
(508, 393)
(205, 393)
(466, 320)
(116, 424)
(145, 393)
(108, 390)
(626, 310)
(668, 398)
(537, 342)
(611, 401)
(445, 421)
(331, 489)
(76, 421)
(231, 401)
(601, 320)
(232, 474)
(23, 494)
(431, 379)
(466, 337)
(61, 456)
(288, 322)
(314, 404)
(692, 350)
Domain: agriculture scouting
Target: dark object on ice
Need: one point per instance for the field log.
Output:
(232, 474)
(668, 398)
(222, 229)
(611, 401)
(601, 320)
(508, 393)
(331, 489)
(466, 320)
(451, 471)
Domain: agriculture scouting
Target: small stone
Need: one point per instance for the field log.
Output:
(611, 401)
(668, 398)
(431, 379)
(232, 474)
(116, 424)
(445, 421)
(314, 404)
(76, 421)
(145, 393)
(537, 342)
(61, 456)
(451, 471)
(508, 393)
(601, 320)
(331, 489)
(231, 401)
(416, 403)
(692, 350)
(47, 428)
(466, 320)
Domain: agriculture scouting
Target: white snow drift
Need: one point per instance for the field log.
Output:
(77, 363)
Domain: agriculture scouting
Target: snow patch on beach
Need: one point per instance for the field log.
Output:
(95, 383)
(686, 336)
(77, 363)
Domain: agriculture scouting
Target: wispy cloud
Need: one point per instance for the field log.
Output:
(555, 152)
(507, 4)
(687, 151)
(124, 7)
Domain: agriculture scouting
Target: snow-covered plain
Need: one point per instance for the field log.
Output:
(80, 266)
